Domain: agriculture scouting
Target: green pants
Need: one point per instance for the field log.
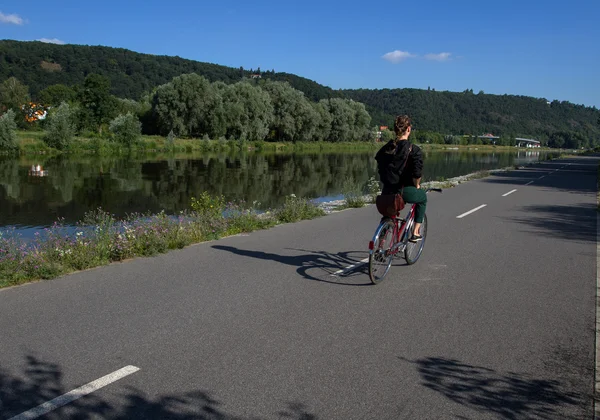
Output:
(419, 197)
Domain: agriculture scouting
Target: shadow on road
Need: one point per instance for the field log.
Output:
(575, 176)
(565, 222)
(315, 265)
(41, 381)
(505, 395)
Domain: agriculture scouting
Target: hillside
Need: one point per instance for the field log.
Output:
(39, 65)
(132, 74)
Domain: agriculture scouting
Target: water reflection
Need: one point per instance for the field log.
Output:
(36, 193)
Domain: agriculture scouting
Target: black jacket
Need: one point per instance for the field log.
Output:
(390, 164)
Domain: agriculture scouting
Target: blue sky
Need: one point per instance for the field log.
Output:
(547, 49)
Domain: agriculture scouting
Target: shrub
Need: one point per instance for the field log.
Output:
(352, 194)
(126, 129)
(60, 127)
(206, 205)
(8, 134)
(296, 208)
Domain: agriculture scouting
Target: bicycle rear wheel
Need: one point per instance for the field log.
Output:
(380, 255)
(413, 250)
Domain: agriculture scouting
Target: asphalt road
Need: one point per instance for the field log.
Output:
(495, 321)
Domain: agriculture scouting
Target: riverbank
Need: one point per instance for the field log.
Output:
(31, 143)
(100, 238)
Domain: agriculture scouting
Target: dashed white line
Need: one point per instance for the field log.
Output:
(471, 211)
(508, 193)
(543, 176)
(351, 267)
(529, 183)
(71, 396)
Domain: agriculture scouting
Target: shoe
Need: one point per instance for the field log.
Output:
(415, 238)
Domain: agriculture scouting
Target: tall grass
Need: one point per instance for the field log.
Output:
(101, 238)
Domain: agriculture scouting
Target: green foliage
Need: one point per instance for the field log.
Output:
(189, 106)
(60, 128)
(134, 75)
(8, 134)
(54, 95)
(97, 105)
(297, 208)
(248, 112)
(352, 194)
(208, 206)
(13, 94)
(126, 129)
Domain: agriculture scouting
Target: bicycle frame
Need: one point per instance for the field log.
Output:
(400, 230)
(401, 227)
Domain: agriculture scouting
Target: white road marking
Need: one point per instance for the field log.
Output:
(471, 211)
(71, 396)
(542, 177)
(351, 267)
(529, 183)
(509, 193)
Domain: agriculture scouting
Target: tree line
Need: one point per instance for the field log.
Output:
(189, 106)
(134, 76)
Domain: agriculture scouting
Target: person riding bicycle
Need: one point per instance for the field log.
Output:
(400, 165)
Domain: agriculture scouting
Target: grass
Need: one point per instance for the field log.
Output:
(100, 238)
(31, 142)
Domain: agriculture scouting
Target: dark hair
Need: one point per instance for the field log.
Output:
(401, 125)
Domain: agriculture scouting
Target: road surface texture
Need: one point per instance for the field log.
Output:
(495, 321)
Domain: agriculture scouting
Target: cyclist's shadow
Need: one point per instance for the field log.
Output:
(317, 265)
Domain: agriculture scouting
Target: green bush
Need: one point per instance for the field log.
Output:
(60, 127)
(8, 134)
(296, 208)
(352, 194)
(126, 129)
(206, 205)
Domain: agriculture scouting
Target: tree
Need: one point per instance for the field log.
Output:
(343, 120)
(126, 129)
(323, 120)
(8, 136)
(362, 120)
(97, 104)
(54, 95)
(293, 116)
(60, 128)
(248, 112)
(189, 106)
(13, 94)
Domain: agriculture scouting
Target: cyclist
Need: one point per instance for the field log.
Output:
(400, 165)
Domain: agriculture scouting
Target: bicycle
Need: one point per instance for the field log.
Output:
(391, 240)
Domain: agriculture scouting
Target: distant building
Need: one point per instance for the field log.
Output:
(255, 76)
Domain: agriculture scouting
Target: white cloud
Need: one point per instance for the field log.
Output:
(444, 56)
(11, 19)
(51, 41)
(397, 56)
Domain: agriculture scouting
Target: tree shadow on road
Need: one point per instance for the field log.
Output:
(315, 265)
(41, 381)
(581, 176)
(573, 223)
(504, 395)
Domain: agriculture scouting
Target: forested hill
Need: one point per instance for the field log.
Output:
(39, 65)
(469, 113)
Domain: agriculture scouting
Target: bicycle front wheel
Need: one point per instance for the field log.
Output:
(413, 250)
(380, 255)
